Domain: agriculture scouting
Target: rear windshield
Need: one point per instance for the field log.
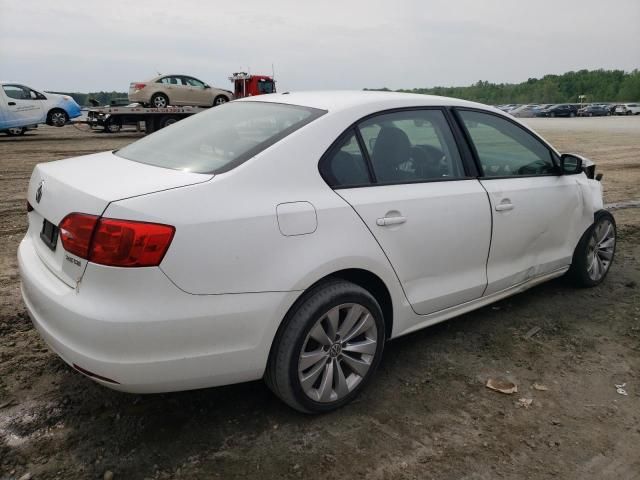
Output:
(221, 138)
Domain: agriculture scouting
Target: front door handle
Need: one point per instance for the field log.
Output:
(12, 103)
(504, 206)
(384, 221)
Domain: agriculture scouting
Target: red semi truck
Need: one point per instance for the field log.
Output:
(247, 85)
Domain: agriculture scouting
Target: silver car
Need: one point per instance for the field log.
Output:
(165, 90)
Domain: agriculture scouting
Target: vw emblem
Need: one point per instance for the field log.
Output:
(39, 191)
(335, 350)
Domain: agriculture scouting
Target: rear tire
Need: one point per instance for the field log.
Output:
(595, 251)
(168, 120)
(159, 100)
(15, 132)
(112, 126)
(328, 347)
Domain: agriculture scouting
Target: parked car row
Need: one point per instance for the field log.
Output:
(570, 109)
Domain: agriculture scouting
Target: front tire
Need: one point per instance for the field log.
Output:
(328, 348)
(594, 254)
(220, 100)
(57, 118)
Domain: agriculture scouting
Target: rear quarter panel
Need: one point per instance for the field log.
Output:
(227, 235)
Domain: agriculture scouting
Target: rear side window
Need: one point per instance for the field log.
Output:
(504, 149)
(345, 166)
(411, 146)
(221, 138)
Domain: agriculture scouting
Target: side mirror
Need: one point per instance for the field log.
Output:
(207, 86)
(570, 164)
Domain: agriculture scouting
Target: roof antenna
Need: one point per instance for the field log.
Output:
(273, 73)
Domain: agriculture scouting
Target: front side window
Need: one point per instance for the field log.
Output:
(17, 92)
(221, 138)
(411, 146)
(505, 149)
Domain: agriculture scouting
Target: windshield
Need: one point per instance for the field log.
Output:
(221, 138)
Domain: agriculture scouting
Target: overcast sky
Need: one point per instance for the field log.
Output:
(80, 45)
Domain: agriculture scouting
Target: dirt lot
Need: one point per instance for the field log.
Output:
(426, 415)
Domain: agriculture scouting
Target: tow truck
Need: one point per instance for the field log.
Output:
(112, 118)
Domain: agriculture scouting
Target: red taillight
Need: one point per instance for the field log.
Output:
(122, 243)
(76, 230)
(139, 86)
(116, 243)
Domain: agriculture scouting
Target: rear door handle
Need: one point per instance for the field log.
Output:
(12, 103)
(384, 221)
(504, 206)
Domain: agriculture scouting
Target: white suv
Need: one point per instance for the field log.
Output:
(627, 109)
(290, 236)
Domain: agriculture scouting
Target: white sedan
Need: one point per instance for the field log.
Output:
(289, 237)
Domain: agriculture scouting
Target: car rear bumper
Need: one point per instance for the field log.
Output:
(140, 333)
(138, 96)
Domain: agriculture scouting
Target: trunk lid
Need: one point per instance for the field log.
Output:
(88, 184)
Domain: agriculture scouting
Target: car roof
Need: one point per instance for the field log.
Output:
(334, 101)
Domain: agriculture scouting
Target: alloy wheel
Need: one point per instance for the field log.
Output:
(159, 101)
(58, 119)
(337, 353)
(600, 249)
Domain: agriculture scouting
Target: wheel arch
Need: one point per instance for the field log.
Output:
(54, 110)
(361, 277)
(159, 92)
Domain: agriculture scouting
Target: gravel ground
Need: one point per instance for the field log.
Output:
(427, 414)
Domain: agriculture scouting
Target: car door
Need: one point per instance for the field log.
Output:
(538, 214)
(21, 108)
(403, 174)
(196, 93)
(173, 87)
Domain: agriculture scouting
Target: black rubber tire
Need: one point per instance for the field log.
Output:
(112, 126)
(158, 95)
(578, 271)
(281, 374)
(168, 120)
(53, 112)
(220, 100)
(13, 133)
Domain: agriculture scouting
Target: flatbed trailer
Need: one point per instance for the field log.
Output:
(112, 118)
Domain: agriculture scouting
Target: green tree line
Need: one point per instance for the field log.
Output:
(597, 85)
